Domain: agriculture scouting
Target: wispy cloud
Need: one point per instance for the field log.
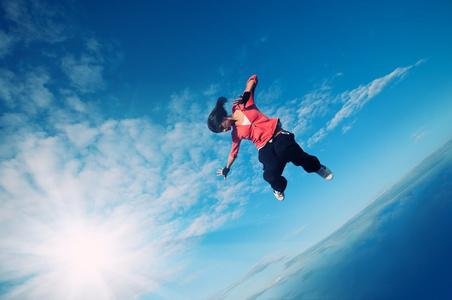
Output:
(419, 134)
(26, 91)
(278, 281)
(257, 269)
(296, 232)
(36, 21)
(85, 73)
(355, 99)
(347, 127)
(6, 43)
(212, 90)
(318, 136)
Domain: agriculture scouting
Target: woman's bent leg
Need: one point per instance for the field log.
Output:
(288, 150)
(276, 180)
(273, 168)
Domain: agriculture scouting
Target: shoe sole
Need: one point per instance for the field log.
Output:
(278, 198)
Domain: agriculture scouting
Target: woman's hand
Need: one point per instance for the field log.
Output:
(243, 99)
(223, 172)
(238, 101)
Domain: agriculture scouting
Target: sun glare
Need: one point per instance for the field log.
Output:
(91, 259)
(85, 254)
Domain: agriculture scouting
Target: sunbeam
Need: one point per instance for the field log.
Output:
(85, 253)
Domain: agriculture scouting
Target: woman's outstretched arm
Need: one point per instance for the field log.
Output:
(224, 172)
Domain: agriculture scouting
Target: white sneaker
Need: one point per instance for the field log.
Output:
(325, 172)
(279, 195)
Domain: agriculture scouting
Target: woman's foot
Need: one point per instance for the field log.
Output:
(279, 195)
(325, 172)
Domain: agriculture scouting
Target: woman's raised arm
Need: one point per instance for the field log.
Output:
(250, 85)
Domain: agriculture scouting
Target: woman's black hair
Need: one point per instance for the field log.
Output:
(217, 115)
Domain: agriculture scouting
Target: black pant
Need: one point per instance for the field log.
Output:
(277, 153)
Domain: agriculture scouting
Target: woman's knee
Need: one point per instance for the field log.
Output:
(276, 180)
(269, 176)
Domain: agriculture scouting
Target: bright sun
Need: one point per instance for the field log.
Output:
(93, 259)
(85, 254)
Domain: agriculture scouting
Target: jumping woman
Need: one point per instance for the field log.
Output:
(276, 146)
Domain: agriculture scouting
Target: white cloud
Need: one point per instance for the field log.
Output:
(260, 267)
(421, 62)
(85, 73)
(28, 92)
(183, 106)
(346, 128)
(36, 89)
(355, 99)
(212, 90)
(76, 104)
(293, 233)
(6, 43)
(81, 134)
(313, 105)
(318, 136)
(36, 21)
(93, 45)
(278, 281)
(268, 96)
(7, 87)
(419, 134)
(221, 71)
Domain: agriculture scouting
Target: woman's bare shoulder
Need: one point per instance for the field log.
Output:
(238, 117)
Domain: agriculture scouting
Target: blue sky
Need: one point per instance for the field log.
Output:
(104, 136)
